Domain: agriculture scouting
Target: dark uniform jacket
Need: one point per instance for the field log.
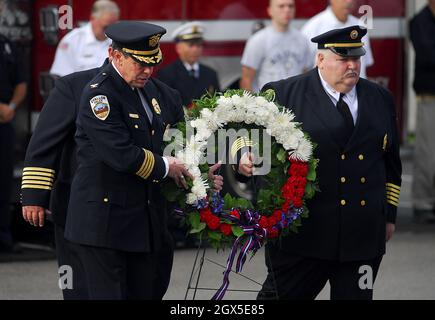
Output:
(116, 200)
(50, 160)
(422, 34)
(176, 76)
(11, 69)
(359, 178)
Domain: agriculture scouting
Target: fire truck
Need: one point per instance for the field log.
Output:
(33, 25)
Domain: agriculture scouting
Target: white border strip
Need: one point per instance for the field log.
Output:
(240, 30)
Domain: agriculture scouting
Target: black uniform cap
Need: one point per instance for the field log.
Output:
(345, 42)
(138, 39)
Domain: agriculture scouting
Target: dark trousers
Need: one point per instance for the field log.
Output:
(301, 278)
(7, 142)
(119, 275)
(67, 255)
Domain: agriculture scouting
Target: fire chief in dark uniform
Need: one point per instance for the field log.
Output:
(50, 165)
(115, 212)
(353, 123)
(189, 77)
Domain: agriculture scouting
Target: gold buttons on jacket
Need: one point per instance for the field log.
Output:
(343, 202)
(156, 181)
(361, 157)
(136, 126)
(363, 203)
(343, 179)
(343, 157)
(363, 180)
(152, 132)
(106, 199)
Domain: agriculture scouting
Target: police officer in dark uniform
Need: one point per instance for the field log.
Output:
(353, 123)
(49, 167)
(116, 213)
(191, 78)
(13, 90)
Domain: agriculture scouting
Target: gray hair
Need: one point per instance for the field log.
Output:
(101, 6)
(324, 52)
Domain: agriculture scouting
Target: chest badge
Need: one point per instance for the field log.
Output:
(384, 145)
(156, 106)
(100, 107)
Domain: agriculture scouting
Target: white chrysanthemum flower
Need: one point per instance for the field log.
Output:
(224, 102)
(191, 199)
(303, 151)
(261, 102)
(199, 188)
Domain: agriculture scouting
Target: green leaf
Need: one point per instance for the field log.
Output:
(281, 155)
(311, 176)
(237, 231)
(309, 190)
(215, 235)
(229, 202)
(194, 220)
(199, 228)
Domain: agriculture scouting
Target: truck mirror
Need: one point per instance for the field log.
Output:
(48, 21)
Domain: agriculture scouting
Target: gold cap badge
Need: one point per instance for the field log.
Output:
(354, 34)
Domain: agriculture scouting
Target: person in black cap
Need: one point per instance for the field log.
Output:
(116, 212)
(353, 123)
(191, 78)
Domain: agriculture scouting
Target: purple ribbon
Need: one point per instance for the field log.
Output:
(256, 235)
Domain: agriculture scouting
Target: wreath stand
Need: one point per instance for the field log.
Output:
(199, 264)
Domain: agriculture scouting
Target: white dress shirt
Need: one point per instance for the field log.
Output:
(350, 98)
(194, 67)
(79, 50)
(325, 21)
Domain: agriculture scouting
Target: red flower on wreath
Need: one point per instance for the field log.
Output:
(226, 229)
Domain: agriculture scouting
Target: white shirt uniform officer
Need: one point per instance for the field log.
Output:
(79, 50)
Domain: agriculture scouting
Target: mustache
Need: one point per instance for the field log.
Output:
(351, 74)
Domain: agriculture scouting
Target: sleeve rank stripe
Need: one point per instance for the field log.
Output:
(145, 160)
(394, 203)
(39, 169)
(44, 183)
(394, 186)
(393, 196)
(393, 192)
(33, 186)
(149, 167)
(393, 189)
(34, 173)
(37, 178)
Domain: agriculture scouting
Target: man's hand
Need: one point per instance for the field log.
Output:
(218, 181)
(246, 165)
(391, 227)
(34, 215)
(6, 113)
(178, 172)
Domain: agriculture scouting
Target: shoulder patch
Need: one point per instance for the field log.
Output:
(100, 107)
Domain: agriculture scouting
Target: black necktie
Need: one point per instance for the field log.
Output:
(192, 73)
(344, 110)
